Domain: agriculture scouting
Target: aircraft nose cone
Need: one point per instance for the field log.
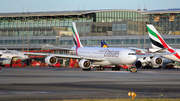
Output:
(131, 57)
(25, 57)
(134, 58)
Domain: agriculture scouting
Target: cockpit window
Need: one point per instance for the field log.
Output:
(132, 54)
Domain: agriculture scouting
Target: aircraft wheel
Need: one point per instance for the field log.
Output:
(102, 68)
(86, 69)
(118, 68)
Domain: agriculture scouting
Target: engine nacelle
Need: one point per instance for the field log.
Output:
(138, 64)
(157, 61)
(50, 60)
(4, 61)
(85, 64)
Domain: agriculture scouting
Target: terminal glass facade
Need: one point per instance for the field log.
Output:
(116, 27)
(166, 23)
(114, 16)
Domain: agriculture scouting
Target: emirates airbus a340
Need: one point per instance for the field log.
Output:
(94, 56)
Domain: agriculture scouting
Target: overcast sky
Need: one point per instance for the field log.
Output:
(9, 6)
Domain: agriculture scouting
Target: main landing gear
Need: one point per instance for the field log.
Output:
(100, 68)
(116, 68)
(89, 69)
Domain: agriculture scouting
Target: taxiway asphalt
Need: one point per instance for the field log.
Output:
(44, 83)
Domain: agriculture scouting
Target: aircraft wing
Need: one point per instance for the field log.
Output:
(56, 47)
(142, 50)
(147, 55)
(158, 50)
(152, 55)
(135, 48)
(67, 56)
(162, 50)
(162, 54)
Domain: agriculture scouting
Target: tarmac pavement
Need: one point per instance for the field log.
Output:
(46, 83)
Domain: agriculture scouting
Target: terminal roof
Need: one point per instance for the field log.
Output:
(174, 10)
(57, 13)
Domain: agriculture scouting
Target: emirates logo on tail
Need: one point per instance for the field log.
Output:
(76, 38)
(157, 41)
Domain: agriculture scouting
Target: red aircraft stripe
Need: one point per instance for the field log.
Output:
(166, 46)
(78, 43)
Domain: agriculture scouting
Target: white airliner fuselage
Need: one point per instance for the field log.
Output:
(7, 55)
(112, 56)
(174, 57)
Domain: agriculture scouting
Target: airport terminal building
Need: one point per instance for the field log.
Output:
(119, 28)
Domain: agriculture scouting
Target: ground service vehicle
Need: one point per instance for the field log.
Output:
(133, 69)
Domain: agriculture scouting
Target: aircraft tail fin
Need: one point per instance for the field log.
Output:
(103, 44)
(156, 40)
(76, 38)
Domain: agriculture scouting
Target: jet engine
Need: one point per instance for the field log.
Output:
(138, 64)
(85, 64)
(50, 60)
(157, 61)
(4, 61)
